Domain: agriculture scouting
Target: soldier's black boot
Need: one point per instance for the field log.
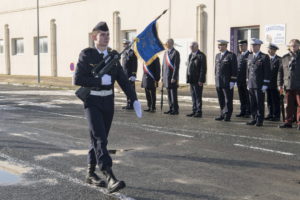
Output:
(92, 178)
(113, 184)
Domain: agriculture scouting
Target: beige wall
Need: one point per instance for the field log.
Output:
(76, 18)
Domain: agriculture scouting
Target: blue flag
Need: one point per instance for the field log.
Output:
(147, 43)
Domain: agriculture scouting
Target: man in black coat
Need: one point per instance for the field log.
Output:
(225, 78)
(273, 96)
(99, 105)
(150, 80)
(129, 64)
(258, 75)
(241, 79)
(170, 76)
(196, 77)
(290, 81)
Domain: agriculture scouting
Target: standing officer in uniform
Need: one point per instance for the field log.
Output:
(241, 79)
(129, 64)
(196, 77)
(225, 77)
(170, 71)
(99, 105)
(290, 81)
(273, 96)
(258, 81)
(150, 80)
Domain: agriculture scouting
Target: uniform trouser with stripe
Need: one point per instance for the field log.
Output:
(99, 112)
(244, 99)
(257, 104)
(151, 97)
(225, 97)
(173, 99)
(273, 102)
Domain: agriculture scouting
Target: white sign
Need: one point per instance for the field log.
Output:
(275, 33)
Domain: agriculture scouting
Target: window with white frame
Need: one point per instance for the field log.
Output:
(17, 46)
(1, 46)
(43, 45)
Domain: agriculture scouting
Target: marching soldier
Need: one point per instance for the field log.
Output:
(129, 64)
(196, 77)
(99, 105)
(170, 76)
(241, 79)
(150, 80)
(225, 77)
(273, 96)
(290, 81)
(258, 80)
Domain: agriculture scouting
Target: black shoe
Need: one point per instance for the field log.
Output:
(147, 110)
(190, 115)
(92, 178)
(226, 119)
(269, 117)
(240, 115)
(219, 118)
(251, 123)
(285, 125)
(168, 112)
(113, 184)
(197, 115)
(259, 124)
(174, 113)
(152, 110)
(275, 119)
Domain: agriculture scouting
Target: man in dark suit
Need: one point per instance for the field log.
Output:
(290, 82)
(150, 80)
(99, 105)
(196, 77)
(170, 76)
(129, 64)
(225, 78)
(259, 71)
(241, 79)
(273, 96)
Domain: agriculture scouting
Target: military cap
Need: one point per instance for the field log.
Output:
(255, 41)
(222, 42)
(101, 26)
(125, 41)
(243, 42)
(273, 46)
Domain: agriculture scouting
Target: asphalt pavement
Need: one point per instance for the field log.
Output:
(44, 142)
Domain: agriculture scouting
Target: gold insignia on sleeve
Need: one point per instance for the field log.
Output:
(93, 65)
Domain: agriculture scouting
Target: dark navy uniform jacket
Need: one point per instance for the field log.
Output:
(148, 81)
(88, 59)
(196, 70)
(242, 68)
(275, 65)
(259, 71)
(129, 63)
(169, 73)
(226, 69)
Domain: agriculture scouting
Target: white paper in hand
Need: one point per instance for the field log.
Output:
(106, 79)
(231, 85)
(137, 108)
(264, 88)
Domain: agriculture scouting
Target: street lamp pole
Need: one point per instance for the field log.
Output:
(38, 41)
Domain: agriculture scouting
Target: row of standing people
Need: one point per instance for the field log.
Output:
(254, 72)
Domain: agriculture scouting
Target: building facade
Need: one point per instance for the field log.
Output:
(65, 27)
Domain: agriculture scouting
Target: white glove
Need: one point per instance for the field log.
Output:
(264, 88)
(132, 78)
(106, 79)
(231, 85)
(137, 108)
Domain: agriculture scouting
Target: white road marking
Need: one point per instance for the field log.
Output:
(263, 149)
(62, 176)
